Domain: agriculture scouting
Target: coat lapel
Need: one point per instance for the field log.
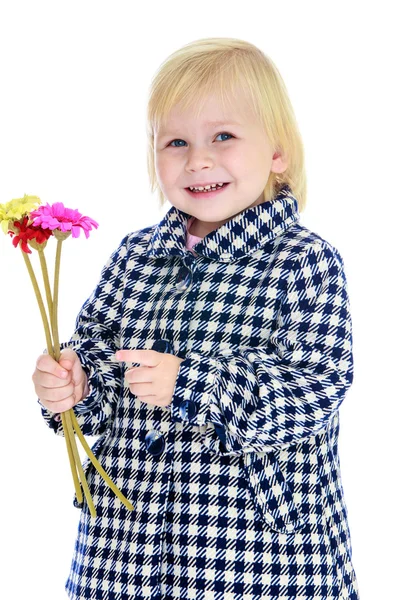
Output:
(244, 233)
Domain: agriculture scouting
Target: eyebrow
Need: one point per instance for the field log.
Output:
(207, 123)
(221, 123)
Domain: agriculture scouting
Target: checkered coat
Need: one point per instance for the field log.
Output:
(236, 484)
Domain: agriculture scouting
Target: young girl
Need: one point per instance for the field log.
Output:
(224, 433)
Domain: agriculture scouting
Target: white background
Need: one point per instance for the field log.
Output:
(74, 84)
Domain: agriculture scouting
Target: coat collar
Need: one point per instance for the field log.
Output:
(243, 234)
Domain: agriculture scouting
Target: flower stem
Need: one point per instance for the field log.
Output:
(80, 469)
(69, 414)
(40, 303)
(96, 463)
(54, 321)
(68, 431)
(50, 351)
(68, 434)
(46, 280)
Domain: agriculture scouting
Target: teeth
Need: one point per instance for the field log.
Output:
(207, 187)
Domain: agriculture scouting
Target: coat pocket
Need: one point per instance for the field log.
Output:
(271, 492)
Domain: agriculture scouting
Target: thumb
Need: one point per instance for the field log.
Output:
(66, 364)
(67, 359)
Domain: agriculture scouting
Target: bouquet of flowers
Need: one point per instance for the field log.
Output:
(31, 224)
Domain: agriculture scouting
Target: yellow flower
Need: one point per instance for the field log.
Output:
(16, 209)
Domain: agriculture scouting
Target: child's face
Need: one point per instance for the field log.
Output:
(188, 151)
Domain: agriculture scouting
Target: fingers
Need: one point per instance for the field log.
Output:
(46, 380)
(47, 364)
(58, 392)
(127, 355)
(59, 399)
(61, 406)
(139, 375)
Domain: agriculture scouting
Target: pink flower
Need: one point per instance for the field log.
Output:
(56, 216)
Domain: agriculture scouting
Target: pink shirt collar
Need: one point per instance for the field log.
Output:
(191, 240)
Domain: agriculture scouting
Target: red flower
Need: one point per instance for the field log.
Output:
(29, 232)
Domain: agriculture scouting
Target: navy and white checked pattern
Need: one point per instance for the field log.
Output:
(245, 501)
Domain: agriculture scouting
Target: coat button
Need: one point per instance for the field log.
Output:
(187, 410)
(155, 442)
(163, 346)
(184, 279)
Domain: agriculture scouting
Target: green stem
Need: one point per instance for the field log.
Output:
(46, 280)
(68, 418)
(66, 423)
(54, 320)
(40, 303)
(68, 434)
(98, 466)
(78, 463)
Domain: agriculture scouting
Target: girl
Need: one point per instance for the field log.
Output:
(224, 436)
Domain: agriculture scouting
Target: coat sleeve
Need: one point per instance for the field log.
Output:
(266, 397)
(96, 338)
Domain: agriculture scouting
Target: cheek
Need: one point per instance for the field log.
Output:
(159, 165)
(165, 170)
(254, 165)
(241, 163)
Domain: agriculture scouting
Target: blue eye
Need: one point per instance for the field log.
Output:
(177, 140)
(225, 134)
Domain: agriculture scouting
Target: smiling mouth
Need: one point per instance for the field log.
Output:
(209, 192)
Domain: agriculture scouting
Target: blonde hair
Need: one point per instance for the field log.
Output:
(218, 66)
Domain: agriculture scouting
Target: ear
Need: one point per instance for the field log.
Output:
(279, 162)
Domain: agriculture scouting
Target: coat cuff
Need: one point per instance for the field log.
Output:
(94, 383)
(195, 386)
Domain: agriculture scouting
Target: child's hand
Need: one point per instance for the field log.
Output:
(55, 392)
(154, 381)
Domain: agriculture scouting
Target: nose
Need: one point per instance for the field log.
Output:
(199, 158)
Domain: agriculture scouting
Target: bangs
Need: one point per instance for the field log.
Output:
(190, 86)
